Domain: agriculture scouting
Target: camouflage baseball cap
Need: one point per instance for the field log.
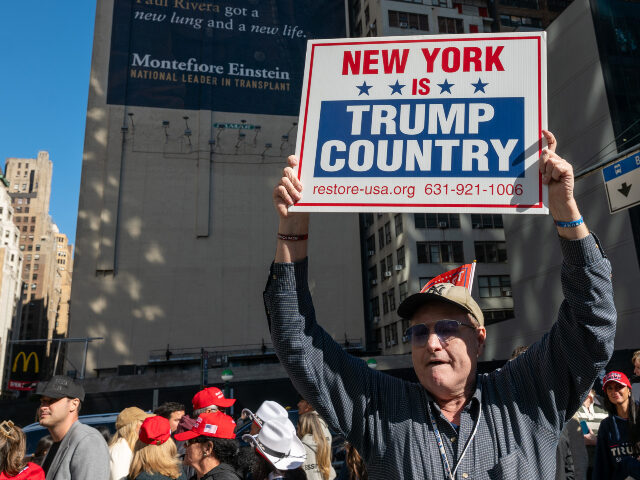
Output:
(441, 292)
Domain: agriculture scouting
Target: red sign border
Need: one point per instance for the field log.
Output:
(456, 205)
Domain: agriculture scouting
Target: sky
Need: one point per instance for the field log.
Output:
(45, 63)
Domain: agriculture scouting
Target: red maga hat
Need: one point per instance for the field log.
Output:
(617, 377)
(211, 396)
(214, 424)
(155, 430)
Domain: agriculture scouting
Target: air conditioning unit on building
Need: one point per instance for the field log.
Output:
(387, 273)
(371, 253)
(507, 293)
(398, 268)
(477, 225)
(405, 339)
(374, 281)
(394, 342)
(404, 25)
(376, 319)
(443, 225)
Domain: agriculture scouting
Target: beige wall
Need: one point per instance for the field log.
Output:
(173, 244)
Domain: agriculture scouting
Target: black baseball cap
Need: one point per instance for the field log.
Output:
(60, 386)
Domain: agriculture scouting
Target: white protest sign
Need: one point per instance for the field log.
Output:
(441, 123)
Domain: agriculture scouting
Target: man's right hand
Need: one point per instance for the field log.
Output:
(285, 194)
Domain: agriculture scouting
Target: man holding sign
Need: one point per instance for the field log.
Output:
(455, 423)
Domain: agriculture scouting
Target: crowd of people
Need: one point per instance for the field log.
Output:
(169, 444)
(519, 421)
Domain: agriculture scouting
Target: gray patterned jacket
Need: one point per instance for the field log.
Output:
(521, 407)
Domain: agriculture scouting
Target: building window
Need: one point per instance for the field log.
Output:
(18, 210)
(375, 307)
(35, 276)
(450, 25)
(383, 269)
(391, 335)
(371, 246)
(381, 238)
(36, 266)
(516, 21)
(437, 220)
(387, 233)
(37, 247)
(398, 221)
(29, 248)
(405, 325)
(403, 291)
(32, 228)
(390, 264)
(368, 219)
(400, 256)
(34, 286)
(366, 14)
(385, 303)
(373, 275)
(491, 252)
(495, 316)
(486, 220)
(440, 252)
(494, 286)
(28, 258)
(413, 21)
(391, 296)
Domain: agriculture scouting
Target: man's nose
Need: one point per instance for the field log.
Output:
(433, 342)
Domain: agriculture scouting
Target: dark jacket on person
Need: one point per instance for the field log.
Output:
(519, 410)
(224, 471)
(615, 456)
(564, 457)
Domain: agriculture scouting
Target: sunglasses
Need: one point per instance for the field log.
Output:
(445, 330)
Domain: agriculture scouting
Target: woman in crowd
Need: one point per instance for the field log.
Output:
(354, 467)
(42, 448)
(317, 446)
(155, 456)
(619, 433)
(124, 440)
(12, 450)
(211, 447)
(280, 453)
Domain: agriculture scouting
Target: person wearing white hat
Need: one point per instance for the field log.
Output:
(281, 454)
(268, 411)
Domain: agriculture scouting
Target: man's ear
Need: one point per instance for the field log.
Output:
(74, 405)
(481, 336)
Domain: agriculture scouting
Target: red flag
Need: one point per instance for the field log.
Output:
(461, 276)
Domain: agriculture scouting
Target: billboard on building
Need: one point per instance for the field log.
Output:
(231, 55)
(27, 364)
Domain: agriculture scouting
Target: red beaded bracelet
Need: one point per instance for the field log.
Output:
(292, 238)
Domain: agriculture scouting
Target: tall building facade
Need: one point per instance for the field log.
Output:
(10, 278)
(403, 251)
(30, 192)
(176, 227)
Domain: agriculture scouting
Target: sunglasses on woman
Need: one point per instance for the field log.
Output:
(445, 330)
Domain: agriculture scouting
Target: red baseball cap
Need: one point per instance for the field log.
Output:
(617, 377)
(211, 396)
(155, 430)
(213, 424)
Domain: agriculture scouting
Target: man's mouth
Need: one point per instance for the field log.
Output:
(435, 363)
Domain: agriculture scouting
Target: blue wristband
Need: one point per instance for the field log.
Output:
(571, 224)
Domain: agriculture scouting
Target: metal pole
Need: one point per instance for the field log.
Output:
(55, 364)
(84, 358)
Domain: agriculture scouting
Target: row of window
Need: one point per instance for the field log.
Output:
(24, 219)
(20, 201)
(19, 209)
(452, 252)
(391, 331)
(387, 267)
(388, 300)
(452, 220)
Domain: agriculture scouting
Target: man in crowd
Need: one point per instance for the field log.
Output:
(209, 400)
(173, 412)
(79, 452)
(454, 423)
